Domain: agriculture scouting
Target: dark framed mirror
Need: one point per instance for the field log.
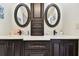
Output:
(52, 15)
(22, 15)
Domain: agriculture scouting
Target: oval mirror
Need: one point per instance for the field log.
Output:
(52, 15)
(22, 15)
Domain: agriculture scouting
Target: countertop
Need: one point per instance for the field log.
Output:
(38, 37)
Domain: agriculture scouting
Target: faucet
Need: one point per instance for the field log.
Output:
(54, 32)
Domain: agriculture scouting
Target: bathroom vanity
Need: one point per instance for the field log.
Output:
(38, 46)
(42, 32)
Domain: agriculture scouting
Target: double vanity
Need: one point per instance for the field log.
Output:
(41, 31)
(39, 45)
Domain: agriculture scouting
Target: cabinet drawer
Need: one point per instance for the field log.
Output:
(37, 45)
(36, 52)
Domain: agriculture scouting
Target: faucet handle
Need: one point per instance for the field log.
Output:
(54, 32)
(20, 32)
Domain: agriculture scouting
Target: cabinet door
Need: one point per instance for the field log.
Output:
(3, 47)
(37, 19)
(17, 48)
(14, 48)
(10, 47)
(70, 47)
(55, 46)
(64, 47)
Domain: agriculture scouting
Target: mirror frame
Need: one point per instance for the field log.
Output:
(16, 11)
(58, 11)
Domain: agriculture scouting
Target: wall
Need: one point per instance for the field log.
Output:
(26, 30)
(6, 23)
(69, 23)
(70, 16)
(69, 20)
(49, 30)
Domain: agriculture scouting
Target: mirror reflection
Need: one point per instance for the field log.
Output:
(52, 15)
(22, 15)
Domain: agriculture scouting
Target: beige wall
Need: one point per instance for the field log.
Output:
(69, 23)
(70, 16)
(26, 29)
(6, 23)
(48, 30)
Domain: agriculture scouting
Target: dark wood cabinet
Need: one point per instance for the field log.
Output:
(10, 47)
(17, 47)
(3, 47)
(37, 19)
(64, 47)
(37, 48)
(53, 47)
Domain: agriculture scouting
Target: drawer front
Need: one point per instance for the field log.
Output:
(36, 52)
(37, 45)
